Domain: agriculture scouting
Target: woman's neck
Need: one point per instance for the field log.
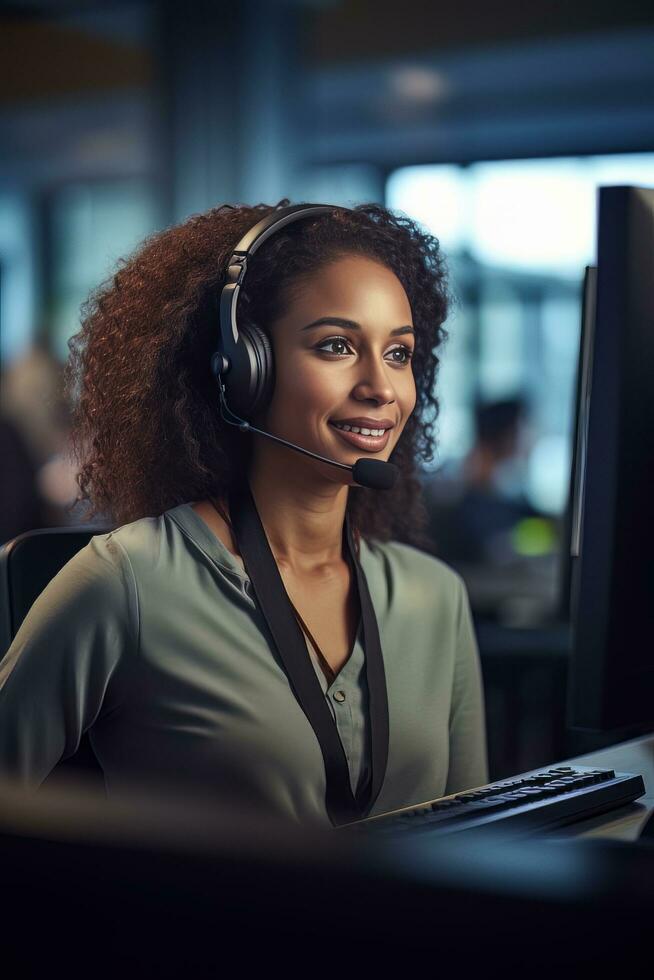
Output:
(303, 514)
(303, 518)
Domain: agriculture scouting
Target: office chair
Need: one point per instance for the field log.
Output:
(27, 563)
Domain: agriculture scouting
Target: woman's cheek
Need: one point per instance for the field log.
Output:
(313, 384)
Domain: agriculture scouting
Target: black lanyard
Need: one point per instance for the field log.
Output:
(260, 564)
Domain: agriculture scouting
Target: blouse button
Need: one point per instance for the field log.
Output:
(339, 696)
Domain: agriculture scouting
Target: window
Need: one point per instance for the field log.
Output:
(517, 235)
(91, 226)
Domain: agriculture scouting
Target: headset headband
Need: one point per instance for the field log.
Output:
(248, 245)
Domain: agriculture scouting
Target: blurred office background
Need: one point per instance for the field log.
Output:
(491, 124)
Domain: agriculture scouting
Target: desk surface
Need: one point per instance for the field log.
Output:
(635, 756)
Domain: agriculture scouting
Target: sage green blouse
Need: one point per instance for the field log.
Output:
(150, 639)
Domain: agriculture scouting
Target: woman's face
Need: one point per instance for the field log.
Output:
(343, 352)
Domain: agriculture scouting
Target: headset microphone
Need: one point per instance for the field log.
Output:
(372, 473)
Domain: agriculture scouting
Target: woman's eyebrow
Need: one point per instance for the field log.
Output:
(339, 321)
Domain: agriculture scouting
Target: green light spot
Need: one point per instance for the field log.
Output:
(533, 536)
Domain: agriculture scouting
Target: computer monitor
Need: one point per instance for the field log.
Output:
(612, 527)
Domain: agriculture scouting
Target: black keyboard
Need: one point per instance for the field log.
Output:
(537, 801)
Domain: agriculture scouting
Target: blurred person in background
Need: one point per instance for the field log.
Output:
(21, 506)
(38, 485)
(474, 505)
(482, 522)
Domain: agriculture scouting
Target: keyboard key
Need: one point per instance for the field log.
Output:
(493, 803)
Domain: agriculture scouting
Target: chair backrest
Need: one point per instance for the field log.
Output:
(27, 563)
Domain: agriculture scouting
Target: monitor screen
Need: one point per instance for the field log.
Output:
(612, 514)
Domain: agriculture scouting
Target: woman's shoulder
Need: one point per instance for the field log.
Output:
(144, 540)
(418, 570)
(94, 586)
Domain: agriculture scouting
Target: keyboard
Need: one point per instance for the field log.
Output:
(536, 802)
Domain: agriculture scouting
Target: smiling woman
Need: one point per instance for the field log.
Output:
(362, 379)
(141, 360)
(152, 637)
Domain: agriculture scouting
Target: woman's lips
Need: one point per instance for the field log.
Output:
(372, 443)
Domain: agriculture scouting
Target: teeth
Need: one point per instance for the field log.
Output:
(355, 428)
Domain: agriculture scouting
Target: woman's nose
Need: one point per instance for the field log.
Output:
(374, 382)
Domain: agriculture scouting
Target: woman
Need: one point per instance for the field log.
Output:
(152, 637)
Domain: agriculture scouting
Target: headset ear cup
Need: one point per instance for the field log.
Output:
(250, 382)
(266, 372)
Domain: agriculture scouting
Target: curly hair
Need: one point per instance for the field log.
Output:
(147, 433)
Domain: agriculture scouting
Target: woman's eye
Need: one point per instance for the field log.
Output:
(333, 342)
(408, 354)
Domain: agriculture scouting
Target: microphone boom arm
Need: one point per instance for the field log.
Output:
(372, 473)
(247, 427)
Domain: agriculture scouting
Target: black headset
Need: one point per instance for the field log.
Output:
(243, 363)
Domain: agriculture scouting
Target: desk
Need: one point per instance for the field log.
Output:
(193, 887)
(636, 756)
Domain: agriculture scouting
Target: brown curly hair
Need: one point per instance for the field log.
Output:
(146, 427)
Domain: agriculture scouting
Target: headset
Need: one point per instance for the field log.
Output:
(243, 364)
